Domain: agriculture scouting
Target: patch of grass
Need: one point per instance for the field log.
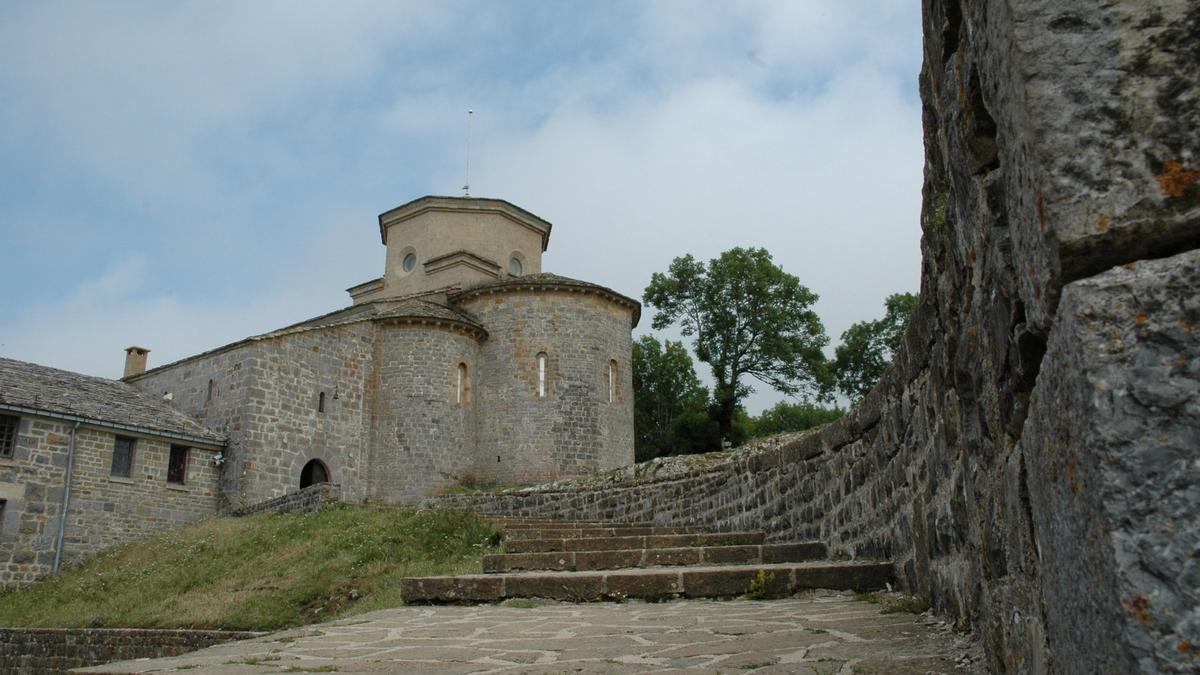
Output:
(520, 603)
(817, 631)
(263, 572)
(905, 603)
(895, 603)
(318, 669)
(467, 488)
(756, 666)
(760, 586)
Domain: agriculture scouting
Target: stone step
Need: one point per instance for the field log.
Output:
(646, 541)
(583, 532)
(653, 583)
(563, 525)
(543, 519)
(654, 557)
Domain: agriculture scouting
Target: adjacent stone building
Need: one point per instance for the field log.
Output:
(86, 463)
(462, 364)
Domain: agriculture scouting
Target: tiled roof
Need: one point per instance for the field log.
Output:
(31, 387)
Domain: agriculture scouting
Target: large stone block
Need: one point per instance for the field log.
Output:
(1113, 452)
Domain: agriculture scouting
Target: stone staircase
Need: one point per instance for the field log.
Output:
(580, 561)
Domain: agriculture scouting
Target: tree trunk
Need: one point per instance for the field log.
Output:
(726, 401)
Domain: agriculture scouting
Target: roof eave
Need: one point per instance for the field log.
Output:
(200, 441)
(500, 207)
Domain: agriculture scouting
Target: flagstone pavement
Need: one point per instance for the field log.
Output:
(821, 632)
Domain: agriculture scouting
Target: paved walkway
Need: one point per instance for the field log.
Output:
(819, 632)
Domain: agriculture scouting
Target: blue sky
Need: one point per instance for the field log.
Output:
(182, 175)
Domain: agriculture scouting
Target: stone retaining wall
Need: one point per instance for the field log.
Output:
(311, 498)
(42, 651)
(1030, 462)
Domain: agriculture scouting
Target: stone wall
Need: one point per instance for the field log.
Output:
(214, 389)
(264, 396)
(422, 436)
(310, 499)
(573, 429)
(43, 651)
(1030, 462)
(284, 429)
(104, 510)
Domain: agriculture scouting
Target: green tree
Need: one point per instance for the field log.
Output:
(747, 318)
(786, 417)
(867, 347)
(666, 391)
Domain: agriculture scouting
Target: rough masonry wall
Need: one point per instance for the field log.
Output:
(31, 483)
(573, 429)
(264, 397)
(1118, 497)
(217, 406)
(1030, 462)
(282, 426)
(422, 437)
(49, 651)
(103, 511)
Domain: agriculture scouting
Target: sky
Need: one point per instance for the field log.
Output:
(183, 175)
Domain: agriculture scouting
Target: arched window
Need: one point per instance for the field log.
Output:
(210, 390)
(314, 472)
(612, 380)
(321, 402)
(541, 365)
(462, 384)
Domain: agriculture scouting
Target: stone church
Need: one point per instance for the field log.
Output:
(463, 364)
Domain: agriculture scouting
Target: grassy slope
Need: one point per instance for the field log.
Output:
(261, 572)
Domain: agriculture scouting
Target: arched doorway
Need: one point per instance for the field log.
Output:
(314, 472)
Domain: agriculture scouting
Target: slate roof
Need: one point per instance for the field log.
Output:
(30, 387)
(410, 308)
(544, 280)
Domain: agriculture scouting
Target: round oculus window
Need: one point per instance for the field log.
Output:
(410, 261)
(514, 266)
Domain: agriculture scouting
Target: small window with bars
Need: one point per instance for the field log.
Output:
(8, 434)
(177, 465)
(122, 459)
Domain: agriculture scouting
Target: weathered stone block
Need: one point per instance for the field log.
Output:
(649, 586)
(778, 553)
(712, 583)
(452, 589)
(843, 577)
(732, 554)
(571, 589)
(674, 556)
(1112, 447)
(528, 561)
(607, 560)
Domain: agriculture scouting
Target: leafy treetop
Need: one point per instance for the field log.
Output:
(747, 317)
(868, 346)
(666, 388)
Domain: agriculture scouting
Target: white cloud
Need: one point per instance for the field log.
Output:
(255, 142)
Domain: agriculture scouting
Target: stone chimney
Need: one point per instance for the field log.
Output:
(135, 361)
